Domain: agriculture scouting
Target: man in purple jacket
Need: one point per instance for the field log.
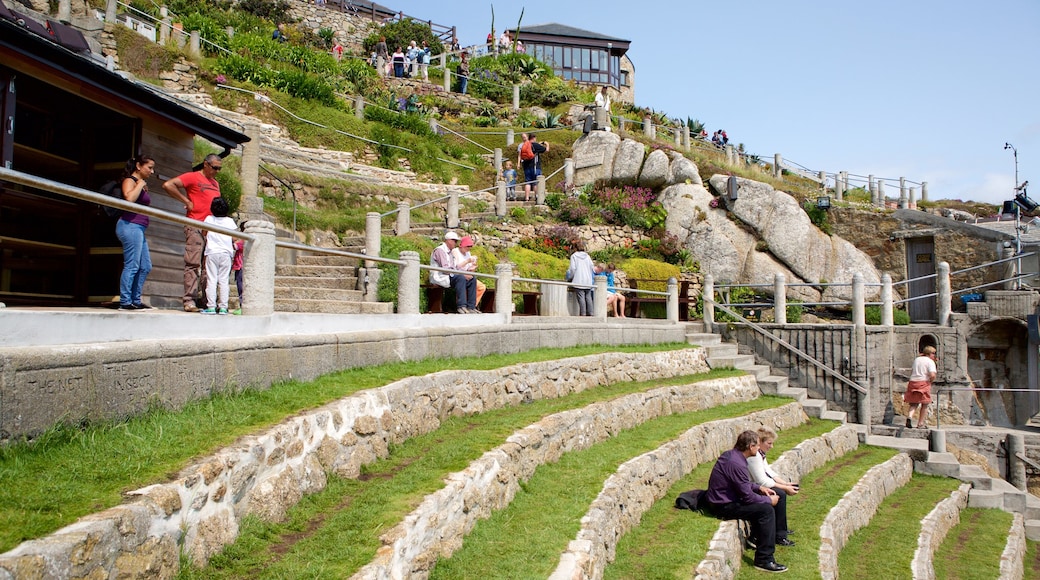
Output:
(732, 495)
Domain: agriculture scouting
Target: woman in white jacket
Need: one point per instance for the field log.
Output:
(762, 474)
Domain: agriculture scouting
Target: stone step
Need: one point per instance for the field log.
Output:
(944, 464)
(796, 393)
(839, 416)
(976, 476)
(332, 306)
(772, 384)
(759, 371)
(696, 327)
(737, 361)
(330, 260)
(312, 271)
(703, 338)
(900, 443)
(1032, 530)
(814, 407)
(342, 283)
(722, 349)
(297, 293)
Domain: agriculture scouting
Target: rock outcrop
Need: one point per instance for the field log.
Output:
(602, 155)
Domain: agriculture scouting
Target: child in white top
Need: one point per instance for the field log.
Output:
(220, 252)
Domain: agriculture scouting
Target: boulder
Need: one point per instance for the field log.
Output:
(712, 238)
(682, 170)
(594, 156)
(628, 161)
(655, 170)
(761, 268)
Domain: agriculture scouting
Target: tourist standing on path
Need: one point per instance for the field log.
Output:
(196, 190)
(130, 227)
(919, 389)
(398, 60)
(731, 495)
(509, 176)
(220, 253)
(582, 273)
(465, 290)
(424, 61)
(762, 474)
(412, 55)
(463, 73)
(603, 100)
(382, 56)
(530, 150)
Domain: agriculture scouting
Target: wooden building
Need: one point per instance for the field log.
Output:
(67, 118)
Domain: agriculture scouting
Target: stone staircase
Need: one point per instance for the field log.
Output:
(322, 284)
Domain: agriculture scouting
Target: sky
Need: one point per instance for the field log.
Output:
(928, 90)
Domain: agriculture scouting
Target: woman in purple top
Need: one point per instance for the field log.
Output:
(137, 262)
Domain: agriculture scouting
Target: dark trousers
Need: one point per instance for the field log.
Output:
(585, 303)
(465, 291)
(762, 518)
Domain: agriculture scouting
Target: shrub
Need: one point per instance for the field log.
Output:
(391, 247)
(273, 10)
(559, 241)
(574, 211)
(141, 57)
(818, 217)
(554, 200)
(794, 311)
(534, 264)
(872, 314)
(411, 123)
(401, 33)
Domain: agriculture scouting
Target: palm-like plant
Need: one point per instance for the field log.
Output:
(551, 121)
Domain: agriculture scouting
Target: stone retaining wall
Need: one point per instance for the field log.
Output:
(934, 528)
(643, 480)
(856, 509)
(723, 559)
(199, 513)
(1012, 566)
(437, 527)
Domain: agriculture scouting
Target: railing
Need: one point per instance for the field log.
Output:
(443, 32)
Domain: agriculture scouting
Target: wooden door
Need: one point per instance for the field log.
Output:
(920, 261)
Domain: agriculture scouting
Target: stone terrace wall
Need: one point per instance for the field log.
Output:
(41, 386)
(643, 480)
(199, 513)
(437, 527)
(934, 528)
(724, 555)
(1012, 566)
(856, 509)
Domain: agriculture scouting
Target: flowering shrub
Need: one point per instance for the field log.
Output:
(628, 205)
(574, 211)
(558, 241)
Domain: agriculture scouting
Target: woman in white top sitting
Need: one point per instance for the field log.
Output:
(762, 474)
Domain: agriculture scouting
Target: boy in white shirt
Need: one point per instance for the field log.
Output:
(220, 252)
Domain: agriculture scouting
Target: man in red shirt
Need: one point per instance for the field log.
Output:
(196, 190)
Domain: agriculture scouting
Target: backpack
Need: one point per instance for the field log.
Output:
(526, 151)
(112, 189)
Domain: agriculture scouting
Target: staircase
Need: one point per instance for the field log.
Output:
(322, 284)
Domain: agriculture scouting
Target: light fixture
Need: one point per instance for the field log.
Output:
(732, 188)
(823, 202)
(1027, 204)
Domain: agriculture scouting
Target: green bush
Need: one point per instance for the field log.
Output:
(554, 200)
(391, 247)
(872, 314)
(412, 123)
(273, 10)
(532, 264)
(819, 217)
(794, 311)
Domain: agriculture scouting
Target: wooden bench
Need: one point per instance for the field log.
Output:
(435, 301)
(635, 300)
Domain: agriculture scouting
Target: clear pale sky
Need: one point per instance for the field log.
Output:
(929, 90)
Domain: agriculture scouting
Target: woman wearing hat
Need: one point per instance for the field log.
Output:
(465, 290)
(464, 260)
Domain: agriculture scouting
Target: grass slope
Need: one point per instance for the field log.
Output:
(68, 473)
(971, 551)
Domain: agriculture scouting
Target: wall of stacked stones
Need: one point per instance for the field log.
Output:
(934, 528)
(726, 549)
(1012, 559)
(856, 509)
(41, 386)
(437, 527)
(199, 513)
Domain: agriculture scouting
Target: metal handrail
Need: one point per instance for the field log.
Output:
(335, 252)
(790, 347)
(101, 199)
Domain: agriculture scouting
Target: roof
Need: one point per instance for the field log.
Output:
(45, 52)
(554, 29)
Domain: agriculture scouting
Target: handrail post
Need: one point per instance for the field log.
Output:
(599, 298)
(164, 25)
(195, 44)
(778, 163)
(858, 307)
(945, 302)
(686, 137)
(672, 306)
(408, 283)
(516, 97)
(404, 218)
(510, 137)
(110, 14)
(259, 269)
(453, 210)
(648, 128)
(504, 290)
(500, 199)
(359, 107)
(779, 299)
(677, 135)
(373, 236)
(251, 206)
(434, 126)
(539, 191)
(447, 79)
(568, 174)
(708, 299)
(881, 193)
(731, 157)
(498, 160)
(924, 191)
(886, 300)
(903, 200)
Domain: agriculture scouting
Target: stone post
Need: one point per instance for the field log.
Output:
(373, 236)
(510, 137)
(881, 193)
(822, 176)
(686, 137)
(498, 160)
(404, 218)
(359, 107)
(65, 11)
(110, 15)
(648, 127)
(779, 299)
(902, 194)
(602, 117)
(568, 173)
(447, 80)
(672, 306)
(504, 290)
(778, 164)
(859, 317)
(677, 134)
(945, 299)
(434, 126)
(708, 295)
(453, 210)
(443, 58)
(251, 206)
(863, 406)
(1016, 445)
(621, 125)
(839, 186)
(408, 283)
(195, 44)
(500, 199)
(937, 442)
(599, 298)
(164, 23)
(539, 191)
(230, 30)
(516, 97)
(913, 198)
(730, 157)
(1010, 271)
(886, 300)
(259, 269)
(924, 191)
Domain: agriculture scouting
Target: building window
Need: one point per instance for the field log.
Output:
(624, 78)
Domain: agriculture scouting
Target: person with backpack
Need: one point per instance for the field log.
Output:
(530, 150)
(130, 227)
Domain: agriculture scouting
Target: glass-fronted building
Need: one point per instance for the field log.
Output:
(580, 55)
